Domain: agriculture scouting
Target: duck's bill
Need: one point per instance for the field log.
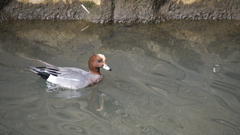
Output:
(106, 67)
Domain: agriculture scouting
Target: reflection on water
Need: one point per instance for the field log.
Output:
(179, 77)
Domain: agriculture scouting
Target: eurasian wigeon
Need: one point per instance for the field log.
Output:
(73, 78)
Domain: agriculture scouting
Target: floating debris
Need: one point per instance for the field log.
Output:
(85, 28)
(85, 8)
(214, 68)
(217, 68)
(205, 49)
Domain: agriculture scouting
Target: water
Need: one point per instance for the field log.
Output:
(174, 78)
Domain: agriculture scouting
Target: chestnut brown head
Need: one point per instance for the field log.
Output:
(96, 62)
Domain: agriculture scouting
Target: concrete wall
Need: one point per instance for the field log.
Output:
(97, 2)
(102, 11)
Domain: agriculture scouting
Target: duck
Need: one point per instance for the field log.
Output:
(71, 77)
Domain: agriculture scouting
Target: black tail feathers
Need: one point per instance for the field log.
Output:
(40, 71)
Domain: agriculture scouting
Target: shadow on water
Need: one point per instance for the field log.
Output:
(179, 77)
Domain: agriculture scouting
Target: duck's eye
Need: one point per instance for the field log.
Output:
(99, 61)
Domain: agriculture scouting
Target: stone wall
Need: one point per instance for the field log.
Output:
(3, 3)
(103, 11)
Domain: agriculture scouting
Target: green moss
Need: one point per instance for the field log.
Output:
(89, 4)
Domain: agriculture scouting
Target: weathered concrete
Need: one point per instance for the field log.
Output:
(97, 2)
(58, 9)
(102, 11)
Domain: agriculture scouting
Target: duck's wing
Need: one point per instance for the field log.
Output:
(63, 72)
(73, 78)
(71, 73)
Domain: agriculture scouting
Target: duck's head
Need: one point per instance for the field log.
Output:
(96, 62)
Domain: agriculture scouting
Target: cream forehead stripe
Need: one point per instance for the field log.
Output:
(102, 56)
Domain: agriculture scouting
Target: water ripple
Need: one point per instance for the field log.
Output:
(42, 126)
(169, 124)
(149, 130)
(226, 99)
(70, 127)
(97, 127)
(233, 75)
(124, 128)
(11, 115)
(230, 132)
(169, 120)
(225, 123)
(159, 90)
(3, 128)
(169, 70)
(157, 67)
(15, 132)
(129, 87)
(193, 93)
(68, 111)
(33, 116)
(70, 115)
(173, 94)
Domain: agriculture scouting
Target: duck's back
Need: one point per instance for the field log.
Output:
(74, 78)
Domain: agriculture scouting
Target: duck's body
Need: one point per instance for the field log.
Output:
(73, 78)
